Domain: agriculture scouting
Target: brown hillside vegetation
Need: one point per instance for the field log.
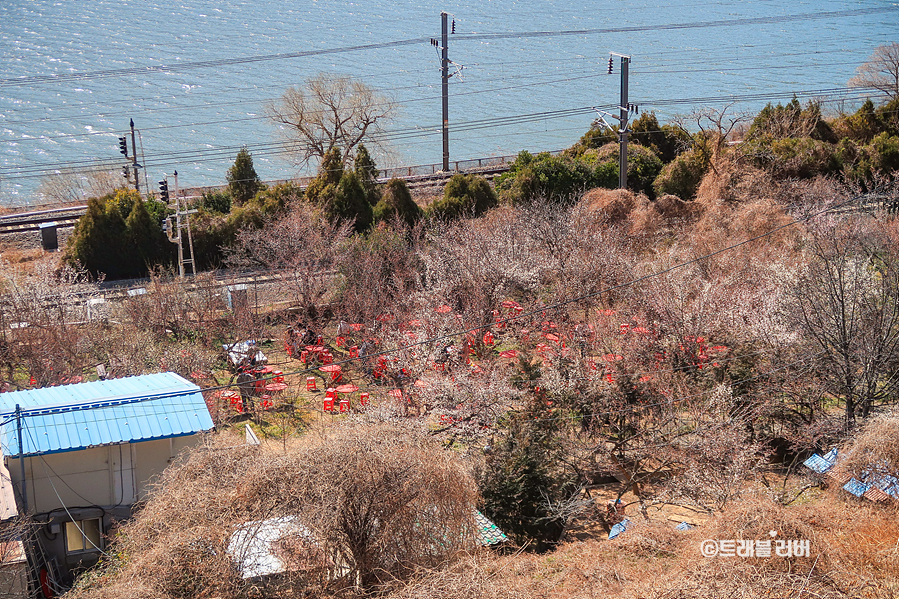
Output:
(556, 357)
(853, 555)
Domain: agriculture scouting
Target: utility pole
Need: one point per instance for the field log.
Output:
(444, 74)
(22, 459)
(624, 110)
(134, 163)
(622, 131)
(190, 237)
(174, 225)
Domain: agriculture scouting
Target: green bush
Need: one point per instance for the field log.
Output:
(682, 176)
(666, 141)
(643, 166)
(351, 202)
(886, 153)
(273, 200)
(524, 470)
(340, 193)
(559, 179)
(790, 121)
(367, 172)
(218, 202)
(464, 195)
(596, 137)
(120, 236)
(396, 201)
(213, 232)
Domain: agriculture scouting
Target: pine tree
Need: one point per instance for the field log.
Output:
(397, 201)
(243, 182)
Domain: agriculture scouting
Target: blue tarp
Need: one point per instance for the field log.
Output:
(619, 528)
(822, 464)
(856, 487)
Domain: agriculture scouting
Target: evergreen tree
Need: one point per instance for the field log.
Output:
(118, 237)
(397, 201)
(350, 202)
(367, 172)
(340, 193)
(243, 182)
(464, 195)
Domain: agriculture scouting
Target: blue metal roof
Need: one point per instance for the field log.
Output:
(73, 417)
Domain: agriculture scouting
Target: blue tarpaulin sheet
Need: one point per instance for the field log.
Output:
(619, 528)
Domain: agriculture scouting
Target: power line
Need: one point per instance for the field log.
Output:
(173, 158)
(175, 67)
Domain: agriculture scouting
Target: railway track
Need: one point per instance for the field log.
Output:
(32, 221)
(67, 217)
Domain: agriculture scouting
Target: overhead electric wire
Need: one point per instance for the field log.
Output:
(214, 154)
(459, 37)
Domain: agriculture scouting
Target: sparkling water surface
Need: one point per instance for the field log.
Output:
(73, 72)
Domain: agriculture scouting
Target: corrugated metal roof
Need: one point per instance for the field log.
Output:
(72, 417)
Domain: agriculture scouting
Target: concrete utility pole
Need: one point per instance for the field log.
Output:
(622, 131)
(444, 73)
(134, 164)
(22, 459)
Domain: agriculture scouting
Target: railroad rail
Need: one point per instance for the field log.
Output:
(67, 217)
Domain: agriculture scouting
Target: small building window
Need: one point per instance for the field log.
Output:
(84, 535)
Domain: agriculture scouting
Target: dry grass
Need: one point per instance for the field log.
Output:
(374, 498)
(853, 554)
(875, 450)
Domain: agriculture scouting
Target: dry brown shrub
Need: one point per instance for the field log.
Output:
(481, 576)
(732, 180)
(20, 256)
(615, 205)
(853, 555)
(875, 449)
(670, 207)
(374, 499)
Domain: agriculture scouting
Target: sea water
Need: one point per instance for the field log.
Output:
(196, 75)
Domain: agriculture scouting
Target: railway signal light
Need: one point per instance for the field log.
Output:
(164, 190)
(610, 65)
(125, 172)
(123, 146)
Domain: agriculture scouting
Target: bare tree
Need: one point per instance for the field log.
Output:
(881, 71)
(847, 304)
(68, 188)
(329, 111)
(303, 247)
(715, 130)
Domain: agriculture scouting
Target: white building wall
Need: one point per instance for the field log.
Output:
(113, 475)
